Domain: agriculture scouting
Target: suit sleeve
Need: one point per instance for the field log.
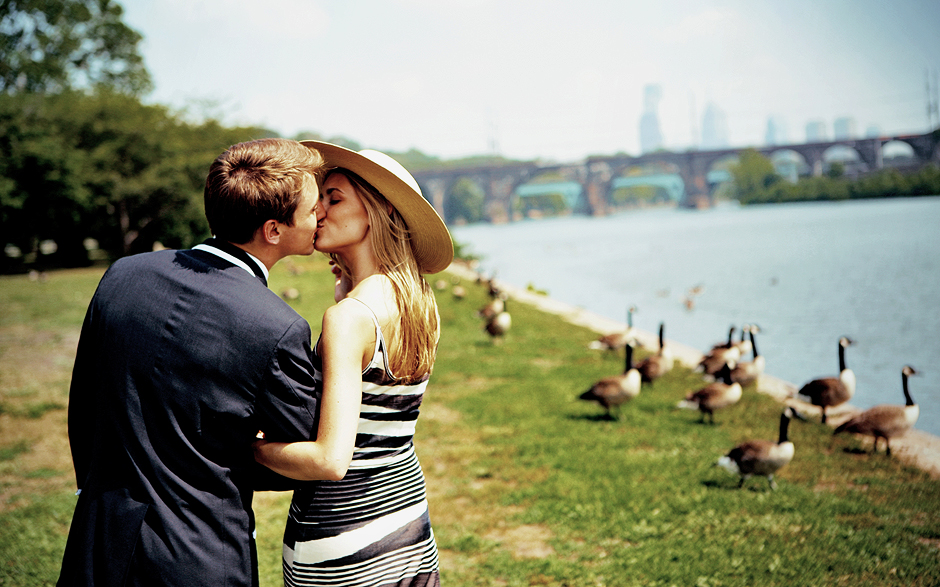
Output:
(287, 406)
(83, 397)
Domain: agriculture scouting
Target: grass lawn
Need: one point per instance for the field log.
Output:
(528, 485)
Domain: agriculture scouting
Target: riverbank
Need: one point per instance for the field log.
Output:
(917, 447)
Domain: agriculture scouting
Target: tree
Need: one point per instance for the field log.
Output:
(103, 166)
(464, 203)
(54, 45)
(753, 175)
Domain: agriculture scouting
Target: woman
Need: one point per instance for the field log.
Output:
(363, 518)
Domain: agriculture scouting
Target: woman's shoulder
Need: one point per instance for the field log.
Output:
(376, 292)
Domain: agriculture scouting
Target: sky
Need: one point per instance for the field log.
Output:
(544, 80)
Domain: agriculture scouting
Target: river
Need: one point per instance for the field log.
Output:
(806, 273)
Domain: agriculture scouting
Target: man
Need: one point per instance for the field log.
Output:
(184, 356)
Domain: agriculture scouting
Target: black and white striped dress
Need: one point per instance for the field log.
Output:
(372, 528)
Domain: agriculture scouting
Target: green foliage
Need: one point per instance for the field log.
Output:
(56, 45)
(753, 174)
(103, 166)
(464, 203)
(551, 204)
(756, 183)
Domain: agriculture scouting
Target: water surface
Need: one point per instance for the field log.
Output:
(806, 273)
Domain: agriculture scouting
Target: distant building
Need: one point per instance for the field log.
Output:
(714, 128)
(816, 132)
(844, 129)
(873, 131)
(651, 136)
(776, 132)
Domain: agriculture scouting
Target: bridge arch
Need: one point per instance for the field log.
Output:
(844, 155)
(790, 164)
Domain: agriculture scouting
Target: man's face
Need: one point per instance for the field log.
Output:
(299, 238)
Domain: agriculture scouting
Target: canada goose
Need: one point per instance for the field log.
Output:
(886, 421)
(494, 307)
(749, 371)
(616, 389)
(617, 340)
(728, 344)
(497, 325)
(657, 365)
(832, 391)
(744, 344)
(722, 354)
(762, 457)
(713, 396)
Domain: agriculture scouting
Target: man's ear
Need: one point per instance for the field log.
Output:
(271, 232)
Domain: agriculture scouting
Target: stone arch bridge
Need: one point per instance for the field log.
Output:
(597, 175)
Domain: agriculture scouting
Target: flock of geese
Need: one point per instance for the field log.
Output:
(728, 373)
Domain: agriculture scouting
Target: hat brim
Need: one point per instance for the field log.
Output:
(430, 239)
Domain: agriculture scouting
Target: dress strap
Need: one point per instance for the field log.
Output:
(375, 319)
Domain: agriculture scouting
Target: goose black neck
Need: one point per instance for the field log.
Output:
(753, 344)
(726, 374)
(841, 357)
(661, 339)
(731, 336)
(628, 363)
(907, 393)
(784, 425)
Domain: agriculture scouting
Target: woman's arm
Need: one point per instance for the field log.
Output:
(348, 333)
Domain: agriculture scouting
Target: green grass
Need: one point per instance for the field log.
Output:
(528, 485)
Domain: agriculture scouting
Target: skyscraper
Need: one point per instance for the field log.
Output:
(714, 128)
(816, 131)
(651, 137)
(776, 131)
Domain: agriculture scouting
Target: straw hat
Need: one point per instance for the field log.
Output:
(430, 241)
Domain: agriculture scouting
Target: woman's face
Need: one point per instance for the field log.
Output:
(343, 222)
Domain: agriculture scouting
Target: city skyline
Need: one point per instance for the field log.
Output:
(548, 80)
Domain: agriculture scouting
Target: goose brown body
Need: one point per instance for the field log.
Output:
(617, 340)
(748, 372)
(497, 325)
(762, 458)
(832, 391)
(721, 354)
(714, 396)
(655, 366)
(615, 390)
(886, 421)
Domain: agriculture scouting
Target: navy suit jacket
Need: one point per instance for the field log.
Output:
(183, 357)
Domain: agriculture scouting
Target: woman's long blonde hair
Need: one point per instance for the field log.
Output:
(419, 325)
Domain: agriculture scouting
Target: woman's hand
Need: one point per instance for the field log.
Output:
(343, 283)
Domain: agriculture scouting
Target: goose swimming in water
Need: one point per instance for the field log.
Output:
(832, 391)
(886, 421)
